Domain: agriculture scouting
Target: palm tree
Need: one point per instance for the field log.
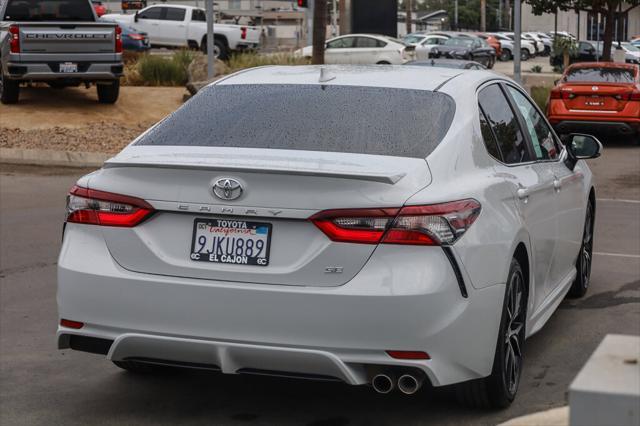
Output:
(319, 30)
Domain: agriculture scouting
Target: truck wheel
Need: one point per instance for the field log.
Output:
(108, 93)
(220, 49)
(9, 90)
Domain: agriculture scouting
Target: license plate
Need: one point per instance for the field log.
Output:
(67, 67)
(230, 241)
(594, 102)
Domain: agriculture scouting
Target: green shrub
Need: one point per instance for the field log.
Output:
(536, 69)
(249, 60)
(155, 70)
(541, 96)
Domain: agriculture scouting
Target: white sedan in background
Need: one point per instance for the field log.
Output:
(364, 49)
(390, 226)
(424, 43)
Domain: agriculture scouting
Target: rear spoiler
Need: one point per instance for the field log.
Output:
(386, 178)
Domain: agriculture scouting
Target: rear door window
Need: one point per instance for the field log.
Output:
(504, 124)
(368, 42)
(328, 118)
(600, 75)
(174, 14)
(489, 137)
(341, 43)
(49, 10)
(198, 15)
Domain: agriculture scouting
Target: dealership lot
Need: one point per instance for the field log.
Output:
(40, 384)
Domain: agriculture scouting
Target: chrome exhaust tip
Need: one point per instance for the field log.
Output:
(383, 383)
(409, 384)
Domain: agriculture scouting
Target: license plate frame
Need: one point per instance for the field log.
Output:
(212, 251)
(68, 67)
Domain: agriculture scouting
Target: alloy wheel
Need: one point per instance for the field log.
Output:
(587, 247)
(514, 332)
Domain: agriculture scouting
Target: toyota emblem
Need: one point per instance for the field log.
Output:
(227, 189)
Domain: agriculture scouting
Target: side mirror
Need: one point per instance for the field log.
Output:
(581, 147)
(135, 17)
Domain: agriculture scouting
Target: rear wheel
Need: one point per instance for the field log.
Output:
(108, 93)
(500, 388)
(505, 55)
(9, 90)
(524, 55)
(583, 264)
(220, 49)
(491, 62)
(383, 63)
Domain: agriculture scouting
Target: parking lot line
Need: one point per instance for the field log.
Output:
(619, 200)
(632, 256)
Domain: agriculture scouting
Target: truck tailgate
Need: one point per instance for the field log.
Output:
(72, 37)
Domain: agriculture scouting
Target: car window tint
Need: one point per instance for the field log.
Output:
(489, 139)
(542, 139)
(51, 10)
(175, 14)
(332, 118)
(341, 43)
(366, 42)
(152, 13)
(600, 74)
(198, 15)
(504, 124)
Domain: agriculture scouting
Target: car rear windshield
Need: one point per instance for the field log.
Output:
(353, 119)
(601, 74)
(49, 10)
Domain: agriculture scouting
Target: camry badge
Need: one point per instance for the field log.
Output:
(227, 189)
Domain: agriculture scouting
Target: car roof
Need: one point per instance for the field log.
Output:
(432, 62)
(391, 76)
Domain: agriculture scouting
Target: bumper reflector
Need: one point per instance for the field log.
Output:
(71, 324)
(408, 354)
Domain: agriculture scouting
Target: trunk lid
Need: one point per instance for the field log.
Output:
(597, 97)
(281, 189)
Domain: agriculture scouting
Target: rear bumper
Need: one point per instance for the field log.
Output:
(399, 301)
(47, 71)
(618, 128)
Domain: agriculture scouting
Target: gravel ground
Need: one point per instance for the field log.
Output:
(101, 137)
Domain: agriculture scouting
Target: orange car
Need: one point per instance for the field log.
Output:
(597, 98)
(493, 42)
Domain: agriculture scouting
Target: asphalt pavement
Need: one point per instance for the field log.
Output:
(42, 385)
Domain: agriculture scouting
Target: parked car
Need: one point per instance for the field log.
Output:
(424, 43)
(468, 48)
(355, 228)
(491, 41)
(449, 63)
(597, 97)
(527, 49)
(538, 47)
(58, 42)
(636, 42)
(541, 48)
(592, 51)
(132, 39)
(632, 53)
(185, 26)
(98, 7)
(546, 41)
(364, 49)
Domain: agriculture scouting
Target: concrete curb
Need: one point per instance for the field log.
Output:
(41, 157)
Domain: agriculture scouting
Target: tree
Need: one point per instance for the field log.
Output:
(319, 30)
(409, 18)
(608, 8)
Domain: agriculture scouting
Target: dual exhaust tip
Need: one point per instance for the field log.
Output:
(407, 383)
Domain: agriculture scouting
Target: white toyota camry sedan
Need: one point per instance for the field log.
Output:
(390, 226)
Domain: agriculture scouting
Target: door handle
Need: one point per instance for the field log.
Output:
(557, 184)
(523, 194)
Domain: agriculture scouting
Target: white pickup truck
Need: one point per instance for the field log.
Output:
(185, 26)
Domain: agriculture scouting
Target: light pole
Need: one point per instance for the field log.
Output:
(517, 35)
(211, 71)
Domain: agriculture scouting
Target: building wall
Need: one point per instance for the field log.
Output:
(568, 21)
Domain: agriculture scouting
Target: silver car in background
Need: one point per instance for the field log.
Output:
(390, 226)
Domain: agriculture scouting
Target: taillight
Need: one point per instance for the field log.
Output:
(71, 324)
(14, 39)
(93, 207)
(118, 39)
(243, 33)
(436, 224)
(561, 94)
(555, 94)
(634, 96)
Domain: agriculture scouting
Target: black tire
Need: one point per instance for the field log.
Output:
(220, 49)
(108, 93)
(505, 55)
(9, 91)
(491, 63)
(585, 257)
(141, 367)
(524, 55)
(383, 63)
(500, 388)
